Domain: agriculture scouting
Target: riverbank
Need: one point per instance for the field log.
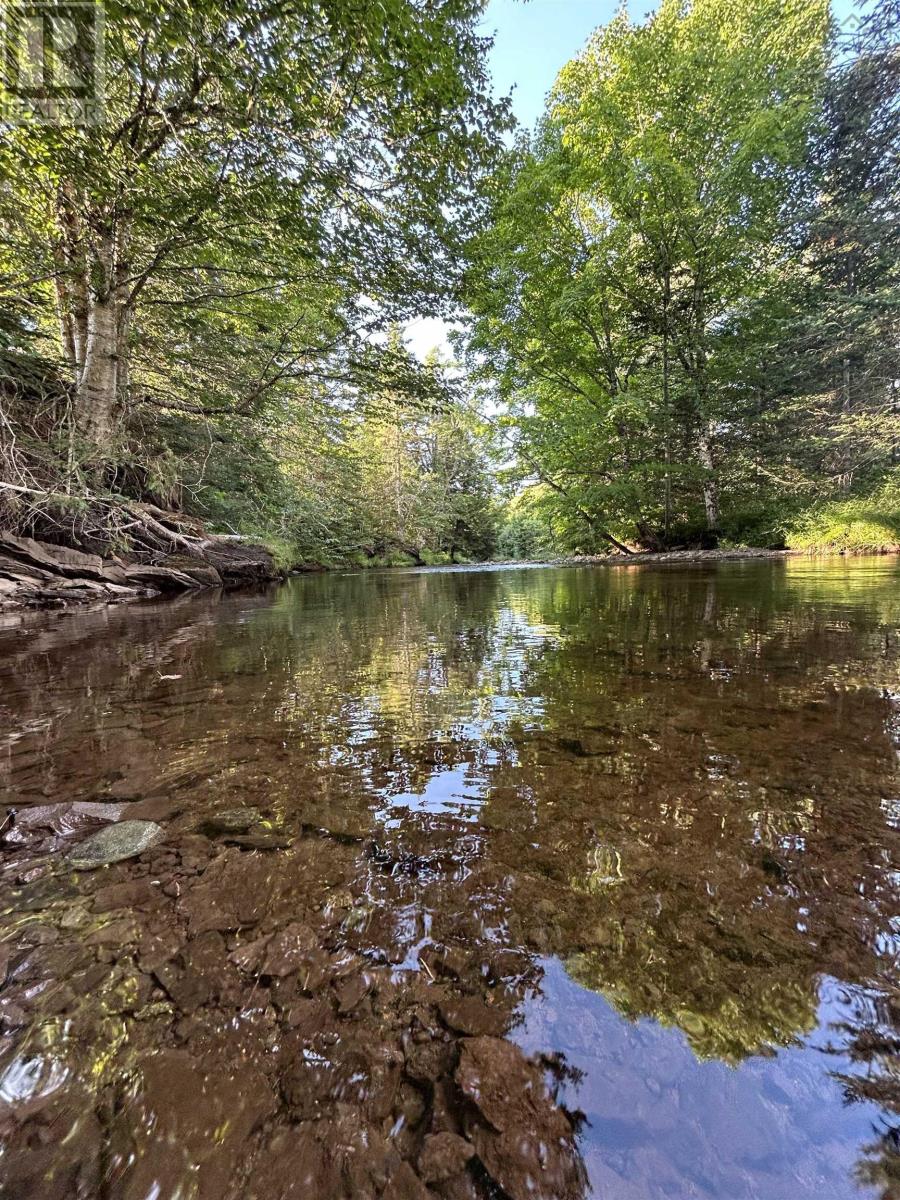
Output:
(37, 574)
(644, 558)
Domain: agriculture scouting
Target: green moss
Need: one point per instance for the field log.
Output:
(285, 552)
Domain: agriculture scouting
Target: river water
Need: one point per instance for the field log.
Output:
(560, 882)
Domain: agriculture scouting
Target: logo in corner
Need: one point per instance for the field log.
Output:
(51, 71)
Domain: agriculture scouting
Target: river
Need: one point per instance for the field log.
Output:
(536, 883)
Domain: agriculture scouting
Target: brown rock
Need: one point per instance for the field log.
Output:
(530, 1164)
(296, 1166)
(444, 1155)
(133, 894)
(289, 950)
(350, 991)
(307, 1016)
(526, 1144)
(58, 560)
(470, 1015)
(430, 1061)
(166, 579)
(203, 573)
(404, 1184)
(186, 1121)
(239, 562)
(187, 989)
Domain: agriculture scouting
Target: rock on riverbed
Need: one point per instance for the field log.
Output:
(115, 843)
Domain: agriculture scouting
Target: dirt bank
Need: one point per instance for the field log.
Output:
(670, 556)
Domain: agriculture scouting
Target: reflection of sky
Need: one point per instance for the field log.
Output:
(449, 791)
(466, 707)
(660, 1122)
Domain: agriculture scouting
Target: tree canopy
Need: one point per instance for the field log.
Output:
(676, 299)
(683, 301)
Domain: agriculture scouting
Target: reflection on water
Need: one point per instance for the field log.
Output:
(562, 882)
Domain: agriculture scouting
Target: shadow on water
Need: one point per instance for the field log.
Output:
(523, 883)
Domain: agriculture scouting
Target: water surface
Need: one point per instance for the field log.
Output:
(589, 871)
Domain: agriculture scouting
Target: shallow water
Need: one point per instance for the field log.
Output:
(590, 871)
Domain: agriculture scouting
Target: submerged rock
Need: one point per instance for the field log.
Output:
(444, 1155)
(232, 820)
(261, 841)
(525, 1141)
(115, 843)
(471, 1015)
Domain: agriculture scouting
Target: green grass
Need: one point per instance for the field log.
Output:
(849, 526)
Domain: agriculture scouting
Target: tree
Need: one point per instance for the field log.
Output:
(271, 161)
(424, 483)
(644, 216)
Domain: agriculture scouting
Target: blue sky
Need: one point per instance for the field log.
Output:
(534, 40)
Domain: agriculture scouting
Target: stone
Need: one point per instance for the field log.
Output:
(188, 1121)
(404, 1184)
(186, 988)
(350, 991)
(239, 562)
(444, 1155)
(166, 579)
(430, 1061)
(232, 820)
(261, 841)
(525, 1143)
(470, 1015)
(204, 574)
(135, 893)
(59, 560)
(289, 950)
(115, 843)
(63, 819)
(295, 1166)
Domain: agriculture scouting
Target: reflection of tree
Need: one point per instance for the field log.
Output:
(706, 797)
(871, 1040)
(674, 793)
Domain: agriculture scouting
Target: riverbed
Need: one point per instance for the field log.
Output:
(536, 883)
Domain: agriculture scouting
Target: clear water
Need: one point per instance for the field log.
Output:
(642, 821)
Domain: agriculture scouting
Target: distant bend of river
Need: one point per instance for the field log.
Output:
(536, 883)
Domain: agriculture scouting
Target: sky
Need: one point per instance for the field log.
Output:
(533, 40)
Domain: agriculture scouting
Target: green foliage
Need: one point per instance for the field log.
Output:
(214, 267)
(684, 305)
(683, 289)
(526, 533)
(861, 525)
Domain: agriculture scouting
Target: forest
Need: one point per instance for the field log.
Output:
(672, 306)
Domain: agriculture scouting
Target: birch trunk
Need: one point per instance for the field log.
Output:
(710, 486)
(93, 315)
(96, 390)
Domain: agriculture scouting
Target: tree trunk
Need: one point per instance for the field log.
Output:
(94, 313)
(710, 486)
(667, 514)
(846, 476)
(96, 389)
